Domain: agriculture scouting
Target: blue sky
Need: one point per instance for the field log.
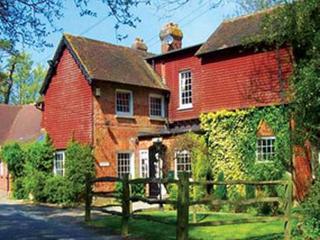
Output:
(196, 20)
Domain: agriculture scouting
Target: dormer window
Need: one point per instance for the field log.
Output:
(185, 89)
(156, 106)
(124, 103)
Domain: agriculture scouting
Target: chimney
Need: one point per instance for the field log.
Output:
(138, 44)
(171, 37)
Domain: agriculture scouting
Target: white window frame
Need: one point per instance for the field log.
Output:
(186, 105)
(131, 170)
(1, 168)
(63, 162)
(257, 154)
(119, 113)
(162, 105)
(176, 162)
(141, 153)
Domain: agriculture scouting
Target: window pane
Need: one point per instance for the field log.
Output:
(58, 163)
(265, 149)
(123, 164)
(185, 88)
(156, 106)
(123, 102)
(183, 161)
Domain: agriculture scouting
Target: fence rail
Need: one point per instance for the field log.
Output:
(184, 202)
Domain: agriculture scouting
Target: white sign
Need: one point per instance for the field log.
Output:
(104, 164)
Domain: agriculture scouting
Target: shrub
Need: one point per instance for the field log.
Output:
(14, 156)
(79, 167)
(137, 189)
(58, 190)
(40, 155)
(34, 183)
(18, 189)
(221, 190)
(311, 213)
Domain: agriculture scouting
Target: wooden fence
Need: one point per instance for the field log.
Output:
(183, 201)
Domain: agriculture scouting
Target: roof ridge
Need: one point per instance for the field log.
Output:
(259, 12)
(104, 42)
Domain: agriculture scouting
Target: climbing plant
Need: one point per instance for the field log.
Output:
(232, 138)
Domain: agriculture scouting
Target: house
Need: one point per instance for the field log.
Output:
(19, 123)
(128, 103)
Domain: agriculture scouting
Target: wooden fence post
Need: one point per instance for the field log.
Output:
(88, 200)
(183, 207)
(288, 206)
(125, 206)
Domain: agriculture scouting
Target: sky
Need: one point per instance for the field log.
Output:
(196, 20)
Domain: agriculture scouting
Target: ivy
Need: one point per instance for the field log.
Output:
(232, 138)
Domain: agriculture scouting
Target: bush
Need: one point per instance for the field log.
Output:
(40, 155)
(311, 213)
(58, 190)
(137, 189)
(221, 190)
(79, 167)
(34, 183)
(18, 189)
(14, 156)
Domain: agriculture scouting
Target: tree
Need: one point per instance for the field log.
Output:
(20, 80)
(250, 6)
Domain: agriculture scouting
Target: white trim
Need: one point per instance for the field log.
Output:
(175, 162)
(63, 162)
(132, 165)
(144, 151)
(162, 106)
(1, 168)
(188, 105)
(130, 113)
(263, 138)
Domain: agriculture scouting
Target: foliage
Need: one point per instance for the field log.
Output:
(21, 80)
(232, 137)
(40, 155)
(13, 155)
(18, 188)
(137, 189)
(34, 183)
(250, 6)
(201, 169)
(79, 167)
(58, 190)
(311, 213)
(221, 191)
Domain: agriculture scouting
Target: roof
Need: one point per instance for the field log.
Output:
(19, 123)
(107, 62)
(176, 51)
(233, 32)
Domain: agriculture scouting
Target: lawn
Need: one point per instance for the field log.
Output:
(232, 229)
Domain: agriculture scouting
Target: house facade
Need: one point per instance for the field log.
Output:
(19, 123)
(130, 104)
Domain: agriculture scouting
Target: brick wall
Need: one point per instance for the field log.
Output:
(68, 104)
(112, 134)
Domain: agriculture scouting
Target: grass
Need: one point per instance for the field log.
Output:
(232, 229)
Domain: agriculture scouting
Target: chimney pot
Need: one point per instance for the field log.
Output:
(138, 44)
(171, 37)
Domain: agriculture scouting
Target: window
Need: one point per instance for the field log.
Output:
(125, 163)
(156, 105)
(183, 162)
(185, 86)
(58, 163)
(1, 168)
(124, 103)
(144, 163)
(265, 148)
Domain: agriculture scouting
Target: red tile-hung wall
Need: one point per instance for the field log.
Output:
(225, 80)
(68, 104)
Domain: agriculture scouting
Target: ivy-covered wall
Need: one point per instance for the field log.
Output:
(232, 138)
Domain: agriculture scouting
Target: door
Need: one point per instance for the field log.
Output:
(156, 158)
